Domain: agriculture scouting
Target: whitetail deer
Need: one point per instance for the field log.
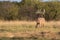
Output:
(40, 20)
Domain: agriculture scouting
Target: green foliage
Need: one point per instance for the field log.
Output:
(26, 10)
(52, 9)
(8, 10)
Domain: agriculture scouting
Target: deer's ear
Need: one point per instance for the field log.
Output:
(40, 9)
(43, 10)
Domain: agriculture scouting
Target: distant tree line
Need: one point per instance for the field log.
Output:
(26, 10)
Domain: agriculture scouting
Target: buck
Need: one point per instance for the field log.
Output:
(40, 20)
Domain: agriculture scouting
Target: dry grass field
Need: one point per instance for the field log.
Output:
(25, 30)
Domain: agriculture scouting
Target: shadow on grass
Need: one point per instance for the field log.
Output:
(30, 38)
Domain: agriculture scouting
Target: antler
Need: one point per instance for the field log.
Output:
(43, 11)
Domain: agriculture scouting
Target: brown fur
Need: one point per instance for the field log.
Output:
(40, 22)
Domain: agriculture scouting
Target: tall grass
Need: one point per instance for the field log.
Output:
(27, 29)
